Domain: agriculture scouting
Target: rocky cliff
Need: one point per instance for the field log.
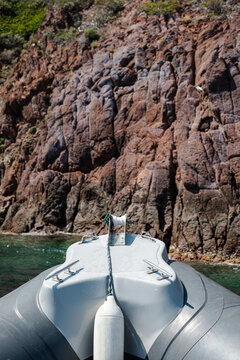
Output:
(145, 122)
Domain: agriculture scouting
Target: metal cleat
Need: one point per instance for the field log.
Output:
(151, 270)
(155, 268)
(89, 236)
(57, 279)
(146, 235)
(55, 276)
(69, 271)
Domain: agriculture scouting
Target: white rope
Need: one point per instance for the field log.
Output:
(110, 277)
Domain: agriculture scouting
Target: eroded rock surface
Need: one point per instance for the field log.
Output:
(147, 122)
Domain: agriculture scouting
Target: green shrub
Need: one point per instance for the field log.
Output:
(66, 36)
(4, 73)
(167, 7)
(25, 20)
(151, 8)
(66, 4)
(94, 43)
(11, 41)
(60, 3)
(48, 34)
(91, 34)
(107, 10)
(7, 56)
(32, 130)
(213, 6)
(10, 47)
(114, 6)
(36, 4)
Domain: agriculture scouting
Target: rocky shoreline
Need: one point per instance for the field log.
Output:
(176, 254)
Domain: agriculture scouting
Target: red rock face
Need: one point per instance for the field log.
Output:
(145, 123)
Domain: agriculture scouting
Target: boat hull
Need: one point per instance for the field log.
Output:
(207, 327)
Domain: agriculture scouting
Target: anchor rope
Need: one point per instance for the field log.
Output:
(108, 221)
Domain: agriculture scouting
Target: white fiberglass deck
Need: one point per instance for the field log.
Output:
(148, 304)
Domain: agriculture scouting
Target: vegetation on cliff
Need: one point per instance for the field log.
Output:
(211, 8)
(20, 19)
(168, 7)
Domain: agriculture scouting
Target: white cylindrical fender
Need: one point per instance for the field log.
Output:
(108, 341)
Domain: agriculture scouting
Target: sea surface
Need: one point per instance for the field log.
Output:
(23, 257)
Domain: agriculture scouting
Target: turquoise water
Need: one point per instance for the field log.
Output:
(23, 257)
(226, 275)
